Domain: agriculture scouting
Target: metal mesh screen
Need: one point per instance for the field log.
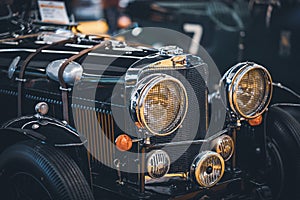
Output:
(195, 123)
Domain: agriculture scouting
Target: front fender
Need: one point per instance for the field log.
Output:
(10, 136)
(49, 131)
(292, 110)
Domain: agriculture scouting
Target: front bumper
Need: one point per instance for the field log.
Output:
(232, 186)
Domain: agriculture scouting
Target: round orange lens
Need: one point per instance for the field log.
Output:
(256, 121)
(123, 142)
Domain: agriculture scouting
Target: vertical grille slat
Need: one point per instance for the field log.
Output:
(92, 132)
(101, 152)
(98, 128)
(106, 133)
(98, 136)
(103, 137)
(111, 138)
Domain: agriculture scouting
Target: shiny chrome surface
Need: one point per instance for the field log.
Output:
(170, 50)
(159, 104)
(72, 73)
(207, 168)
(42, 108)
(158, 163)
(58, 35)
(13, 66)
(249, 89)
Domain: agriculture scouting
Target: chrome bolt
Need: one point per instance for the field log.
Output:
(35, 126)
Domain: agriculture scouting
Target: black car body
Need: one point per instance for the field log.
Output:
(85, 116)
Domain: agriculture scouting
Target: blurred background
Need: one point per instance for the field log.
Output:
(264, 31)
(231, 31)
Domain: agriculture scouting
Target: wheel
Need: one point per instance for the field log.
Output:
(283, 148)
(35, 171)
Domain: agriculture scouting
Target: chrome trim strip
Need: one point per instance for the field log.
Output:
(60, 52)
(71, 144)
(17, 50)
(114, 56)
(190, 142)
(48, 122)
(71, 52)
(78, 45)
(16, 120)
(286, 104)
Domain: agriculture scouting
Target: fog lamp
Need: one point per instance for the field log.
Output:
(158, 163)
(224, 146)
(207, 168)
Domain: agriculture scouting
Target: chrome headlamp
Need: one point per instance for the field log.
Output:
(158, 163)
(208, 168)
(159, 104)
(249, 89)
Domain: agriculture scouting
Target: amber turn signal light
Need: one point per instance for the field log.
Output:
(123, 142)
(256, 121)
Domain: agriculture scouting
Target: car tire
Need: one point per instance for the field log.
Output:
(32, 170)
(283, 150)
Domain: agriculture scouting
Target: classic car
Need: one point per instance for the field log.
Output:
(89, 117)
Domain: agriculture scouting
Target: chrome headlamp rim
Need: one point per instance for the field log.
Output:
(198, 163)
(239, 71)
(140, 95)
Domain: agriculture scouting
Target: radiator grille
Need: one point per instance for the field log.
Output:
(91, 123)
(182, 156)
(98, 128)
